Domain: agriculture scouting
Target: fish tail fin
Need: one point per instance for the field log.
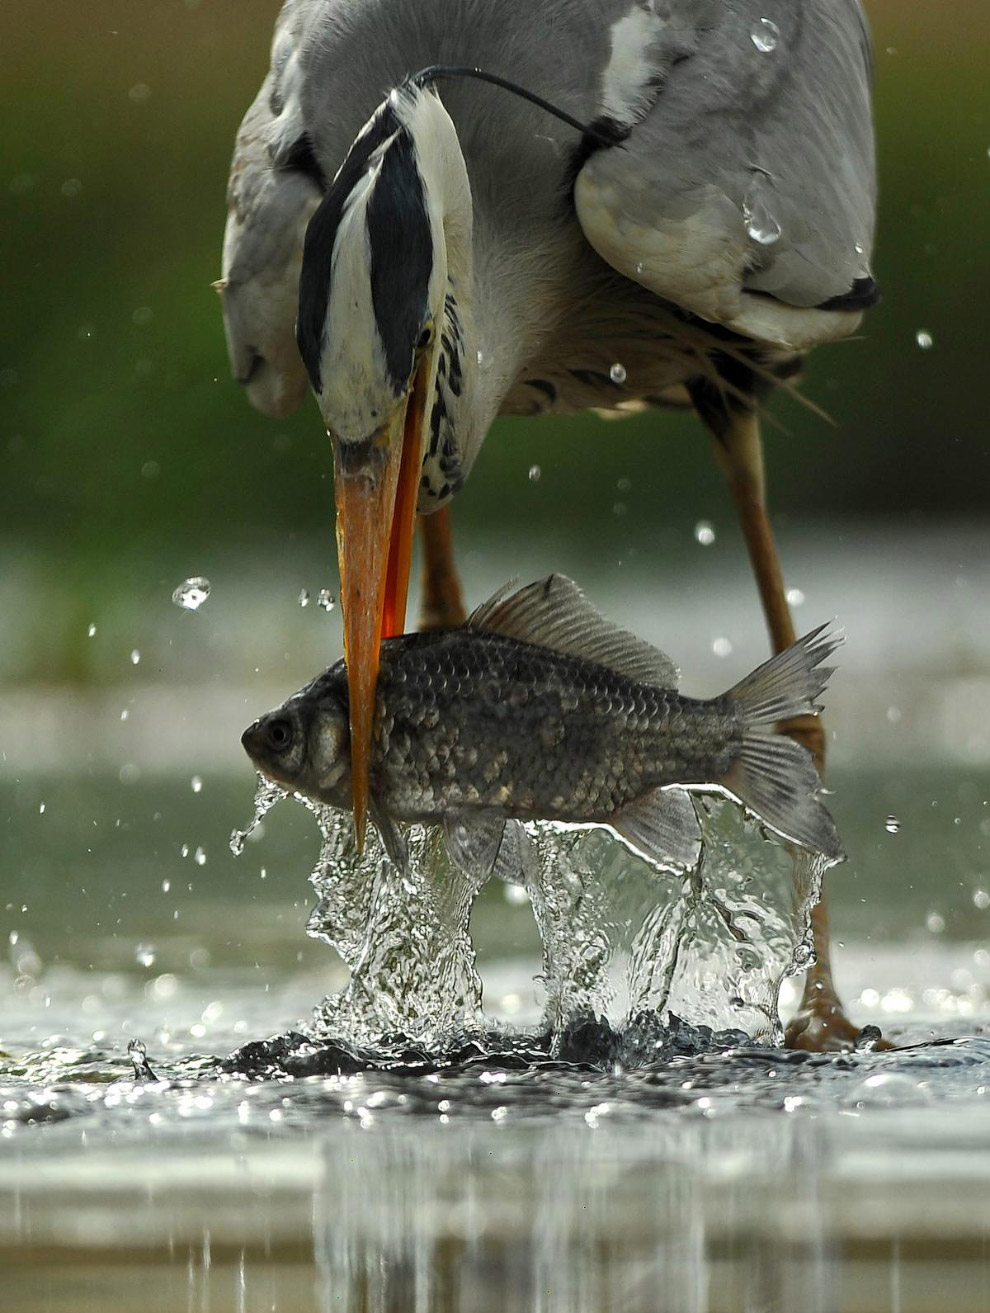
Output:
(772, 776)
(790, 683)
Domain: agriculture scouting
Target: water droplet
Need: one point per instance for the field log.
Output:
(139, 93)
(150, 469)
(534, 473)
(704, 532)
(804, 955)
(145, 954)
(141, 316)
(889, 1089)
(639, 268)
(196, 784)
(91, 631)
(71, 187)
(129, 773)
(326, 600)
(924, 339)
(761, 224)
(935, 923)
(617, 374)
(125, 714)
(722, 647)
(795, 597)
(981, 899)
(894, 715)
(135, 657)
(304, 597)
(199, 857)
(765, 36)
(892, 825)
(166, 886)
(41, 809)
(192, 593)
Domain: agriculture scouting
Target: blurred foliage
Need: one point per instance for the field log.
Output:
(120, 429)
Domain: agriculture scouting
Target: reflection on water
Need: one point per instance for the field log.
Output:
(750, 1216)
(680, 1220)
(709, 1207)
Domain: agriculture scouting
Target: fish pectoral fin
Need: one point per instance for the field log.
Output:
(483, 846)
(663, 827)
(392, 837)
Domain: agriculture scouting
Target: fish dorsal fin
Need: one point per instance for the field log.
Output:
(554, 613)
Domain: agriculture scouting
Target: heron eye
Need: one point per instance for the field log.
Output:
(425, 338)
(279, 735)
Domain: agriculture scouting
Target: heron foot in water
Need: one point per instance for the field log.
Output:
(821, 1026)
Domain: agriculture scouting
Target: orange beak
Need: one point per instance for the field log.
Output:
(377, 485)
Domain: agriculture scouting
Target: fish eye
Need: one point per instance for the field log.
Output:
(279, 735)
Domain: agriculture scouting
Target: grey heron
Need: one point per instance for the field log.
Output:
(430, 253)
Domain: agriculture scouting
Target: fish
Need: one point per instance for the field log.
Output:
(538, 708)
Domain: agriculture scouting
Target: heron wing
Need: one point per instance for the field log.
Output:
(275, 185)
(742, 183)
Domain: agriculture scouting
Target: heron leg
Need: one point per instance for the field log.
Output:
(820, 1022)
(441, 602)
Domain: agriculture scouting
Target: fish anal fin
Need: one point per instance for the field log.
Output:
(775, 779)
(663, 827)
(554, 613)
(485, 846)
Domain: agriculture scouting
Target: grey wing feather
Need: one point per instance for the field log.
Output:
(740, 141)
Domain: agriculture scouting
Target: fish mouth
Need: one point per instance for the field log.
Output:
(376, 484)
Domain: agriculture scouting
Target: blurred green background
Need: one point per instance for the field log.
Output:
(121, 431)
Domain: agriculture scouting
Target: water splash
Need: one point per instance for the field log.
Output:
(266, 796)
(622, 939)
(405, 938)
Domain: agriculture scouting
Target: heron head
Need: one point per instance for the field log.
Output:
(376, 308)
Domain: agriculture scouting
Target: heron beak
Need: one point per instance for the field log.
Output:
(377, 485)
